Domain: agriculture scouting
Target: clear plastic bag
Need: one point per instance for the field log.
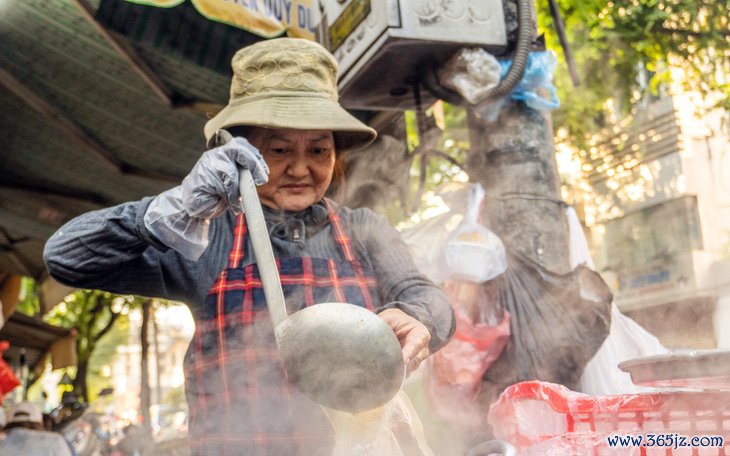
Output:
(454, 245)
(453, 375)
(536, 88)
(472, 73)
(391, 430)
(474, 253)
(579, 251)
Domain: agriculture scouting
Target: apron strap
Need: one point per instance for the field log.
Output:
(343, 240)
(235, 257)
(238, 252)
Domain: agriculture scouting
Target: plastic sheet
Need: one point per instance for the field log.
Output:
(180, 217)
(391, 430)
(558, 324)
(472, 72)
(542, 418)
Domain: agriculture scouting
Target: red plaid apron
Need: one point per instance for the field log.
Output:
(240, 402)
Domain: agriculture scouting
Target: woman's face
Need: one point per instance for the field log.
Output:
(301, 164)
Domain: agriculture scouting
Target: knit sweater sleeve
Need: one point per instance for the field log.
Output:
(110, 249)
(400, 283)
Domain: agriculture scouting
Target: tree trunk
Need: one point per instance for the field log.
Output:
(155, 336)
(514, 159)
(144, 397)
(79, 383)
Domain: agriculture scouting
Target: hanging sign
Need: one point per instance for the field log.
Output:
(346, 22)
(266, 18)
(158, 3)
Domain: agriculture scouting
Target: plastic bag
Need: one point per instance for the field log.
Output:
(535, 88)
(474, 253)
(471, 73)
(454, 245)
(391, 430)
(626, 338)
(453, 375)
(426, 239)
(579, 252)
(8, 379)
(558, 324)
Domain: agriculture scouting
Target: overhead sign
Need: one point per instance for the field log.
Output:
(350, 18)
(266, 18)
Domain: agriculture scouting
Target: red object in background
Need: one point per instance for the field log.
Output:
(541, 418)
(475, 346)
(454, 374)
(8, 379)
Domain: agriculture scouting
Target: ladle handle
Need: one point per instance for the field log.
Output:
(262, 247)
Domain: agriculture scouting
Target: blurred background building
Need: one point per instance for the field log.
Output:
(655, 199)
(169, 337)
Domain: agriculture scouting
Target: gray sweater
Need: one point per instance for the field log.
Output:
(111, 250)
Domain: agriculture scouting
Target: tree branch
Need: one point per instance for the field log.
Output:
(108, 326)
(685, 32)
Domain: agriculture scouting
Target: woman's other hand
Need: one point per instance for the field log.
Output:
(412, 335)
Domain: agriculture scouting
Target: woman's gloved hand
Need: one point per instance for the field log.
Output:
(412, 335)
(180, 217)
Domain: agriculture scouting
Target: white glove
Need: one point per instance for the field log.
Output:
(180, 217)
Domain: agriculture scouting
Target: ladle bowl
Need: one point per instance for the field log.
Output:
(342, 356)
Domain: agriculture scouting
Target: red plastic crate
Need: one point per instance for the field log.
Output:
(538, 414)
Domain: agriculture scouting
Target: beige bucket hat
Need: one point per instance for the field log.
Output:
(288, 83)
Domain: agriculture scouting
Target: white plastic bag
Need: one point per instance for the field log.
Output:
(626, 338)
(579, 252)
(391, 430)
(472, 73)
(473, 253)
(454, 245)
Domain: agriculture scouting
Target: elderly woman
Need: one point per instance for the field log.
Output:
(190, 243)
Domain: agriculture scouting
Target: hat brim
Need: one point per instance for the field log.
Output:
(298, 112)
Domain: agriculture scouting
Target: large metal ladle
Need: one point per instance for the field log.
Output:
(340, 355)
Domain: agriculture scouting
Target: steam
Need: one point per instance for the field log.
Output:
(375, 175)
